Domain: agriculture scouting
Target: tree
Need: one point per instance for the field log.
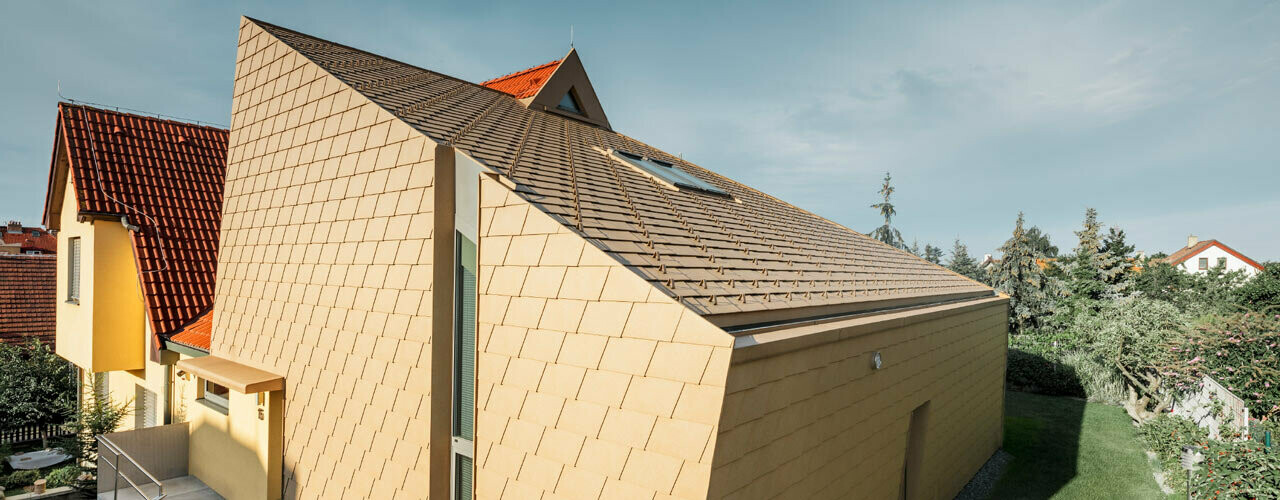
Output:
(1262, 290)
(915, 248)
(932, 254)
(1093, 273)
(1114, 243)
(1040, 243)
(36, 386)
(1020, 277)
(962, 263)
(887, 233)
(96, 415)
(1138, 336)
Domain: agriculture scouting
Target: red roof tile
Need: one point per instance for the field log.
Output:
(197, 334)
(1185, 253)
(167, 177)
(28, 297)
(526, 83)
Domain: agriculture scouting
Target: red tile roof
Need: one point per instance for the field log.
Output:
(28, 297)
(198, 334)
(167, 177)
(526, 83)
(1185, 253)
(46, 242)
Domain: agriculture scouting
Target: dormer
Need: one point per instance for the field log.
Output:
(559, 87)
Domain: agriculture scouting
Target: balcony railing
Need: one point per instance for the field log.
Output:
(113, 461)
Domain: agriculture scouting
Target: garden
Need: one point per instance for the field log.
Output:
(1106, 326)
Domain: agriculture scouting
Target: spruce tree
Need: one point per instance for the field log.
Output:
(1020, 277)
(964, 264)
(1095, 274)
(887, 233)
(932, 254)
(915, 248)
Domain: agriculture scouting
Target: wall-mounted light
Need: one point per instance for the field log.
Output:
(876, 362)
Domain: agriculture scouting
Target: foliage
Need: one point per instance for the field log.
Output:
(933, 254)
(98, 414)
(36, 386)
(1232, 469)
(1093, 273)
(964, 264)
(1241, 351)
(915, 248)
(1134, 335)
(1021, 278)
(20, 479)
(887, 233)
(64, 476)
(1055, 365)
(1262, 290)
(1041, 244)
(1165, 435)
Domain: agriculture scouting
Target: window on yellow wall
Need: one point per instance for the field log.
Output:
(73, 270)
(214, 395)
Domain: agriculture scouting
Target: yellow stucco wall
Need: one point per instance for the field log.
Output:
(808, 417)
(105, 331)
(591, 382)
(324, 272)
(237, 453)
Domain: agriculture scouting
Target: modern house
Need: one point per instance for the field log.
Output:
(28, 298)
(136, 202)
(1200, 256)
(428, 287)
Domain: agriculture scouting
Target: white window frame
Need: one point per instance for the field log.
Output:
(213, 399)
(73, 270)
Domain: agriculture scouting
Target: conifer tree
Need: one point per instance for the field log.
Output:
(1021, 278)
(964, 264)
(887, 233)
(915, 248)
(1093, 273)
(932, 254)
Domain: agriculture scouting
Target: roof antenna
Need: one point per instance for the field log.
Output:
(570, 37)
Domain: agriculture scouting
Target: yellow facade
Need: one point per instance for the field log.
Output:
(105, 330)
(239, 447)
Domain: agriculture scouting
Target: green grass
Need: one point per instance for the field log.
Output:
(1066, 448)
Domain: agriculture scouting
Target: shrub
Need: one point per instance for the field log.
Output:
(1100, 380)
(1241, 351)
(1166, 435)
(1134, 335)
(1262, 290)
(20, 479)
(64, 476)
(1032, 372)
(1236, 469)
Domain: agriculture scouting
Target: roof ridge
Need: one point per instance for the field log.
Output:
(174, 120)
(521, 72)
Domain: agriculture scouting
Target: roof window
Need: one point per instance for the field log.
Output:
(569, 103)
(668, 173)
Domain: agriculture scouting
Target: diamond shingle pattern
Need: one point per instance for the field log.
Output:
(717, 255)
(524, 83)
(28, 297)
(167, 177)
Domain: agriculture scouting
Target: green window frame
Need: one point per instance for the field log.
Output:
(464, 367)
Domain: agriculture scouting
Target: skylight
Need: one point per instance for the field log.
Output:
(569, 103)
(668, 172)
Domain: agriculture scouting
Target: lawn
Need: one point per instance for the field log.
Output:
(1066, 448)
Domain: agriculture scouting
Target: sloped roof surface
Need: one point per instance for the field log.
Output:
(28, 297)
(45, 242)
(525, 83)
(174, 173)
(1185, 253)
(197, 334)
(715, 254)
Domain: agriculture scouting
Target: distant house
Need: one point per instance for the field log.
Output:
(27, 240)
(1200, 256)
(28, 298)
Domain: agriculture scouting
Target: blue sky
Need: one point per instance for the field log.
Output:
(1161, 115)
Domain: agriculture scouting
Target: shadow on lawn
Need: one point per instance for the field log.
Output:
(1043, 434)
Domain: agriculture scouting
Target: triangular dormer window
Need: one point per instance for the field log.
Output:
(569, 103)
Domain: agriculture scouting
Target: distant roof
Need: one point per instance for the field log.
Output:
(523, 83)
(46, 242)
(197, 334)
(28, 297)
(718, 255)
(167, 177)
(1185, 253)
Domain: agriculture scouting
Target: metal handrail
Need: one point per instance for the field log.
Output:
(119, 452)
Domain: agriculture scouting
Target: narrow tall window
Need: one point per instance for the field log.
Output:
(73, 270)
(464, 368)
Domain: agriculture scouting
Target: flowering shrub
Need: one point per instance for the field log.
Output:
(1235, 469)
(1241, 351)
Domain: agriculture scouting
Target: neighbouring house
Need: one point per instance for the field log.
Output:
(28, 297)
(430, 287)
(137, 203)
(27, 240)
(1200, 256)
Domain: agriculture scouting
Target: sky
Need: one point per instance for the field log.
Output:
(1164, 116)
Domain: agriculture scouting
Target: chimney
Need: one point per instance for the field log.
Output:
(15, 226)
(1192, 240)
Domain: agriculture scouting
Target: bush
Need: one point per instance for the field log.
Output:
(1262, 290)
(1100, 381)
(20, 479)
(1031, 372)
(1241, 351)
(1166, 435)
(1238, 469)
(64, 476)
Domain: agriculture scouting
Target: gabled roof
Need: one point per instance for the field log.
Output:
(523, 83)
(45, 242)
(1186, 253)
(167, 178)
(721, 256)
(28, 297)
